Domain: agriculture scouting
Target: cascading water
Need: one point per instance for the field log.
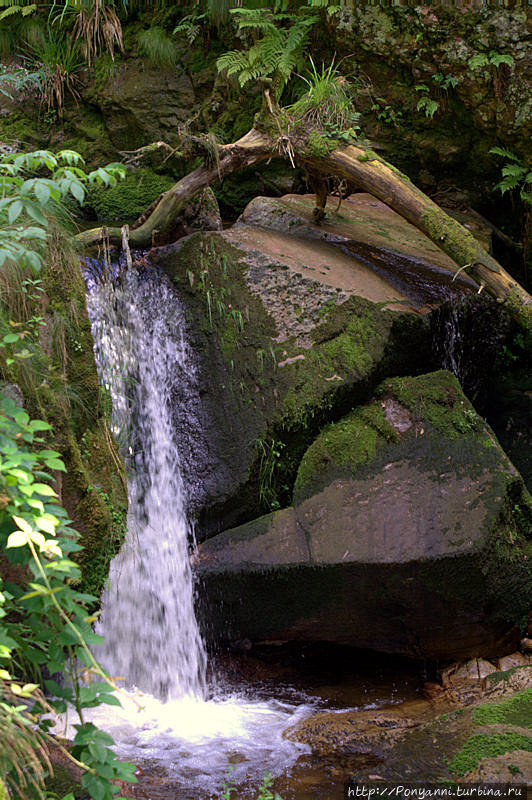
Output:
(148, 621)
(467, 335)
(151, 633)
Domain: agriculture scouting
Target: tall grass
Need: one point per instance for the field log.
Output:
(328, 100)
(155, 45)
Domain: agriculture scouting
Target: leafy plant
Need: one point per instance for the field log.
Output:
(328, 102)
(265, 789)
(158, 47)
(26, 200)
(45, 627)
(270, 459)
(425, 102)
(192, 25)
(515, 175)
(47, 623)
(500, 64)
(96, 26)
(385, 112)
(445, 82)
(61, 61)
(19, 81)
(492, 59)
(277, 49)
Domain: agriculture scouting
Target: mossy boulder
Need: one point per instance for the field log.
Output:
(410, 533)
(281, 350)
(142, 103)
(129, 198)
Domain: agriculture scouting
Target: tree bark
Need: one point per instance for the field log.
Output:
(354, 164)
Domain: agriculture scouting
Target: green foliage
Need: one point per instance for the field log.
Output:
(158, 47)
(425, 102)
(16, 81)
(45, 627)
(385, 112)
(60, 60)
(265, 789)
(27, 200)
(127, 200)
(328, 102)
(516, 175)
(45, 622)
(270, 461)
(192, 25)
(278, 46)
(515, 710)
(96, 26)
(491, 59)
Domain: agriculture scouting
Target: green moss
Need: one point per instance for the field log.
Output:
(438, 401)
(320, 145)
(342, 448)
(516, 710)
(452, 237)
(130, 197)
(496, 677)
(486, 745)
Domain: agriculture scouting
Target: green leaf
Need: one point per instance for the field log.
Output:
(479, 60)
(55, 463)
(17, 539)
(44, 489)
(78, 192)
(14, 211)
(42, 192)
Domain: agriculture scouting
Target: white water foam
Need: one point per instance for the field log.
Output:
(148, 621)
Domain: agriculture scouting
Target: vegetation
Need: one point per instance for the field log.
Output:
(46, 628)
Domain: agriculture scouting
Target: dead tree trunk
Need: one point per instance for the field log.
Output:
(357, 166)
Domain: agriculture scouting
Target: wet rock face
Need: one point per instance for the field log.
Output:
(143, 104)
(281, 349)
(394, 541)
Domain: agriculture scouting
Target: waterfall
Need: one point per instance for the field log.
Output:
(467, 336)
(148, 621)
(151, 635)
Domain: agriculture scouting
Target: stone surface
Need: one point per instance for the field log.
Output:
(141, 104)
(280, 349)
(513, 660)
(474, 670)
(394, 540)
(377, 239)
(511, 769)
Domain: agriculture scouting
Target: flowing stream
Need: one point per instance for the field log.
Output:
(152, 638)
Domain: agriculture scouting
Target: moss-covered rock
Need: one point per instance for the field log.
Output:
(60, 385)
(129, 198)
(417, 531)
(281, 351)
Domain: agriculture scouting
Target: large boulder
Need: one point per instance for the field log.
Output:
(142, 104)
(282, 347)
(410, 532)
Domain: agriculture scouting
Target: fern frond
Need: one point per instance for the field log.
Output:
(262, 26)
(232, 62)
(501, 151)
(24, 10)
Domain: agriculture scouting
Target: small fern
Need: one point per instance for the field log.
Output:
(157, 47)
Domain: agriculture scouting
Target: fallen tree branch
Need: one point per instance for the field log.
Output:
(350, 162)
